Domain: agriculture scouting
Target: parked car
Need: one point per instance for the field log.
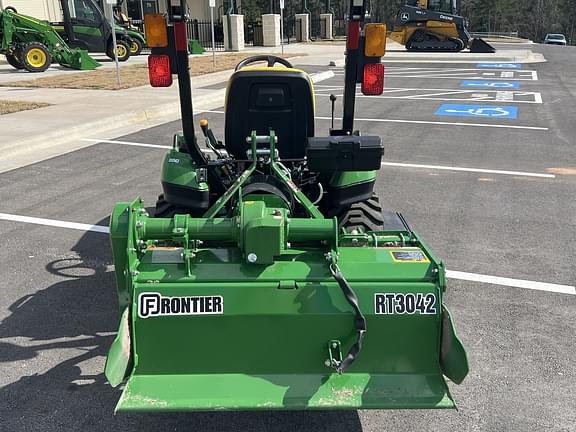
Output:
(555, 39)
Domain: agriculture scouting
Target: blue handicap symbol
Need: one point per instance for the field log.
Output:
(478, 111)
(499, 65)
(504, 85)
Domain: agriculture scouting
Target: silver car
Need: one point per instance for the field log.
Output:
(555, 39)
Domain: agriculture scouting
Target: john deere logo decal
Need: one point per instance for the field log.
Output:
(154, 304)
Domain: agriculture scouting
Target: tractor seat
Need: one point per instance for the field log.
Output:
(262, 98)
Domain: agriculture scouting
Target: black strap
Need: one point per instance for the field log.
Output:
(359, 320)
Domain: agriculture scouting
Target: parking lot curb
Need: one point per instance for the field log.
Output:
(58, 142)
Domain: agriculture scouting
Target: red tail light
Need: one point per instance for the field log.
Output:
(159, 70)
(373, 79)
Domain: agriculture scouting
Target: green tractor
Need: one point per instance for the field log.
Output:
(32, 44)
(267, 276)
(85, 26)
(123, 22)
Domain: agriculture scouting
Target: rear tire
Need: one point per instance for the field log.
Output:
(123, 51)
(35, 57)
(364, 215)
(14, 61)
(164, 209)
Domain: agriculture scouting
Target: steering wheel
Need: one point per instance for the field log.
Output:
(270, 59)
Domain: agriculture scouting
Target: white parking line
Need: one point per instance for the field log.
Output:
(392, 164)
(455, 95)
(516, 283)
(55, 223)
(474, 277)
(498, 126)
(130, 143)
(465, 169)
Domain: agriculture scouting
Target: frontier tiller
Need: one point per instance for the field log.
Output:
(267, 277)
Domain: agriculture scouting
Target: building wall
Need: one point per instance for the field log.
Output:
(41, 9)
(50, 9)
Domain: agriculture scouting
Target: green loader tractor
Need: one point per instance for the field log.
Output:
(267, 276)
(85, 26)
(32, 44)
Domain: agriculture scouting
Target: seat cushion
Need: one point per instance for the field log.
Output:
(265, 98)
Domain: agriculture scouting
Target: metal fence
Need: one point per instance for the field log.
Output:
(290, 30)
(315, 28)
(339, 28)
(201, 31)
(503, 35)
(253, 33)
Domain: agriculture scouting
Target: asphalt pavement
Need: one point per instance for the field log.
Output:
(484, 172)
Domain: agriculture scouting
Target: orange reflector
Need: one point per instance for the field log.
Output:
(156, 31)
(373, 79)
(374, 40)
(159, 70)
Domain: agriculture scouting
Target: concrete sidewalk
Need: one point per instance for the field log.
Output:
(31, 136)
(35, 135)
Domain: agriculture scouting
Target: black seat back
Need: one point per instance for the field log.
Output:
(265, 98)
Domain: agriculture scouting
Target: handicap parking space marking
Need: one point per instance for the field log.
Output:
(476, 111)
(491, 84)
(499, 65)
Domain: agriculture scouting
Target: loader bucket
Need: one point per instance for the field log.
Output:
(478, 45)
(209, 331)
(80, 59)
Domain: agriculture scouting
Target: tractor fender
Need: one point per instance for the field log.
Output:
(123, 37)
(136, 35)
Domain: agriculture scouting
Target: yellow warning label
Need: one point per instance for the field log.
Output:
(409, 256)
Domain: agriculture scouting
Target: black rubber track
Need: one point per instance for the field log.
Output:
(364, 215)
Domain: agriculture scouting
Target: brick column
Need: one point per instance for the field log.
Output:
(303, 22)
(271, 30)
(326, 19)
(233, 37)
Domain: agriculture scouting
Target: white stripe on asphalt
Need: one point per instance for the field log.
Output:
(516, 283)
(500, 126)
(392, 164)
(130, 143)
(473, 277)
(538, 128)
(135, 144)
(322, 76)
(433, 97)
(465, 169)
(54, 223)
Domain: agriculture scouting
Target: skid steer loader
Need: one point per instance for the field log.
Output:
(433, 25)
(266, 277)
